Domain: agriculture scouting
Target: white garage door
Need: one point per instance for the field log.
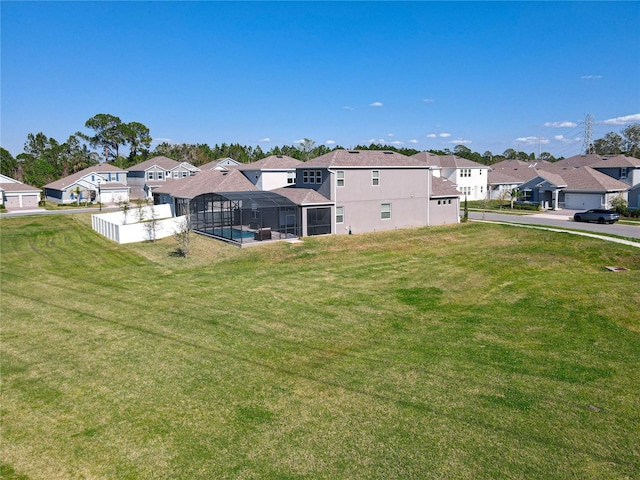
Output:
(582, 201)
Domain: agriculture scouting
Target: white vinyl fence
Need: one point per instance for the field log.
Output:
(137, 224)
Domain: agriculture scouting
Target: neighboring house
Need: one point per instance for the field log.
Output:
(470, 177)
(220, 164)
(572, 188)
(178, 192)
(144, 177)
(633, 197)
(501, 184)
(371, 190)
(625, 169)
(15, 194)
(272, 172)
(104, 183)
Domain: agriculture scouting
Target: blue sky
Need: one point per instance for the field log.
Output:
(425, 75)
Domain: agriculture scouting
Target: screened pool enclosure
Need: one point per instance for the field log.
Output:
(242, 217)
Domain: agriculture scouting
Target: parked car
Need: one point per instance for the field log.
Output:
(597, 215)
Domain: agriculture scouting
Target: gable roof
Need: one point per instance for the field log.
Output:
(65, 182)
(220, 162)
(616, 161)
(579, 160)
(363, 159)
(272, 162)
(207, 181)
(585, 179)
(500, 177)
(17, 187)
(162, 162)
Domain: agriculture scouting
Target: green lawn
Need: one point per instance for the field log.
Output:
(463, 352)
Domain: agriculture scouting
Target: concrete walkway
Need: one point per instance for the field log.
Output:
(562, 230)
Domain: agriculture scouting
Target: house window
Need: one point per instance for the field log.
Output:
(623, 172)
(291, 177)
(149, 175)
(160, 175)
(93, 178)
(375, 178)
(318, 176)
(340, 178)
(305, 176)
(438, 202)
(184, 174)
(385, 211)
(176, 174)
(339, 214)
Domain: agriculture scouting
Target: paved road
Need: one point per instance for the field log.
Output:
(560, 219)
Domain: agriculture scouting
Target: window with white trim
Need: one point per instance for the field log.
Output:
(339, 214)
(340, 178)
(375, 178)
(318, 176)
(623, 172)
(305, 176)
(160, 175)
(291, 177)
(385, 211)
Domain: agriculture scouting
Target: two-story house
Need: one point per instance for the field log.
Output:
(373, 191)
(275, 171)
(470, 177)
(144, 177)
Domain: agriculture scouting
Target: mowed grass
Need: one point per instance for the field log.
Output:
(471, 351)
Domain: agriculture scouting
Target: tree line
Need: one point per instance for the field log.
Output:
(45, 160)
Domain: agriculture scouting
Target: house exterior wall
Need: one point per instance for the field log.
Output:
(470, 181)
(442, 210)
(633, 196)
(270, 180)
(404, 191)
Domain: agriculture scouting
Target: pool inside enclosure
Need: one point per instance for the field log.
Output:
(242, 217)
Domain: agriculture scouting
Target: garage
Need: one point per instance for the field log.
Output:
(582, 201)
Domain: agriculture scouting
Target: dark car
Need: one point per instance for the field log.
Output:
(597, 215)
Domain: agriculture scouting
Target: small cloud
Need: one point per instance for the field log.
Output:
(623, 120)
(432, 135)
(428, 100)
(532, 140)
(330, 142)
(391, 135)
(444, 135)
(299, 141)
(162, 140)
(565, 124)
(375, 104)
(413, 141)
(591, 77)
(351, 109)
(266, 140)
(460, 141)
(560, 138)
(397, 142)
(373, 140)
